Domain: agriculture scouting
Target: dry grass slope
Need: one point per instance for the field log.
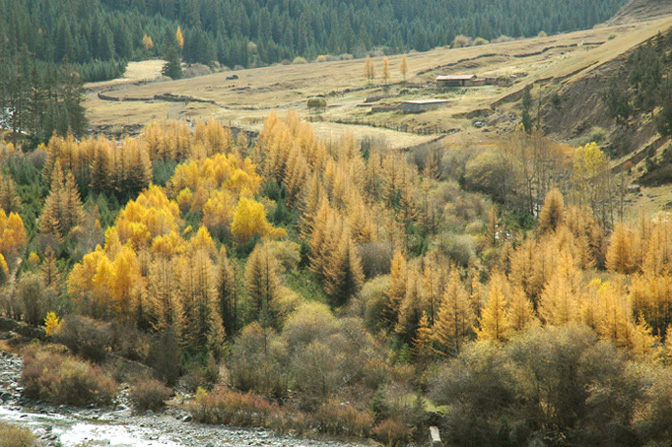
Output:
(553, 62)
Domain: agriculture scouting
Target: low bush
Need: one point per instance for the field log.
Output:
(258, 362)
(86, 337)
(165, 355)
(15, 436)
(201, 372)
(63, 379)
(391, 432)
(224, 406)
(337, 418)
(462, 41)
(129, 342)
(149, 394)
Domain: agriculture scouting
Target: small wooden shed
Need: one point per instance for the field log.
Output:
(461, 80)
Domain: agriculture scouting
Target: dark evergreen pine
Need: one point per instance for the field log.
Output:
(173, 67)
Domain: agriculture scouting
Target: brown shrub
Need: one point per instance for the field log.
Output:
(149, 394)
(86, 337)
(258, 362)
(14, 436)
(63, 379)
(201, 373)
(165, 355)
(391, 432)
(36, 300)
(376, 258)
(336, 418)
(129, 342)
(224, 406)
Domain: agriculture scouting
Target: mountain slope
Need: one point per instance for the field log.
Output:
(640, 10)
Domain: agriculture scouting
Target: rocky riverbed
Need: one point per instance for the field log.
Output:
(118, 427)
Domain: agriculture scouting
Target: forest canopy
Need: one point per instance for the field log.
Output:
(98, 36)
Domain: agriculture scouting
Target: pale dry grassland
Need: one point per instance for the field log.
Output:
(551, 61)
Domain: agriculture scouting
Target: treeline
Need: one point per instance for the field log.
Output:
(40, 98)
(641, 89)
(646, 84)
(89, 33)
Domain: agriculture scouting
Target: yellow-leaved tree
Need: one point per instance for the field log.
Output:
(386, 69)
(455, 317)
(179, 38)
(559, 302)
(263, 285)
(9, 197)
(147, 42)
(593, 183)
(52, 324)
(403, 66)
(63, 208)
(621, 257)
(249, 221)
(494, 324)
(13, 235)
(369, 69)
(551, 215)
(197, 282)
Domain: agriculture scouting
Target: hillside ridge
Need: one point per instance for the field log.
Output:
(641, 10)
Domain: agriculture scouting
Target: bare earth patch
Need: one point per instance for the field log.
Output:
(136, 72)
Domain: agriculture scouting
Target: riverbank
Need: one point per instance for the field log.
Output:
(117, 426)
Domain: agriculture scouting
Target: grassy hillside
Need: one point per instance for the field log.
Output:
(551, 62)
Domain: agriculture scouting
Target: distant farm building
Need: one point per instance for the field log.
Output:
(384, 108)
(463, 80)
(422, 105)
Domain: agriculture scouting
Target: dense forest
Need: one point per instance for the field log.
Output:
(98, 36)
(499, 292)
(341, 287)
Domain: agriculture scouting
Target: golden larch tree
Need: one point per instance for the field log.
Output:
(403, 66)
(63, 209)
(198, 289)
(9, 197)
(551, 215)
(343, 276)
(620, 254)
(227, 292)
(520, 314)
(494, 324)
(410, 310)
(179, 38)
(369, 69)
(262, 282)
(166, 304)
(398, 286)
(455, 317)
(422, 343)
(386, 70)
(559, 302)
(147, 42)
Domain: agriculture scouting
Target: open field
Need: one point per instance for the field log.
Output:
(550, 61)
(136, 72)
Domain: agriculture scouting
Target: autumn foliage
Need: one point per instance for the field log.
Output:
(330, 272)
